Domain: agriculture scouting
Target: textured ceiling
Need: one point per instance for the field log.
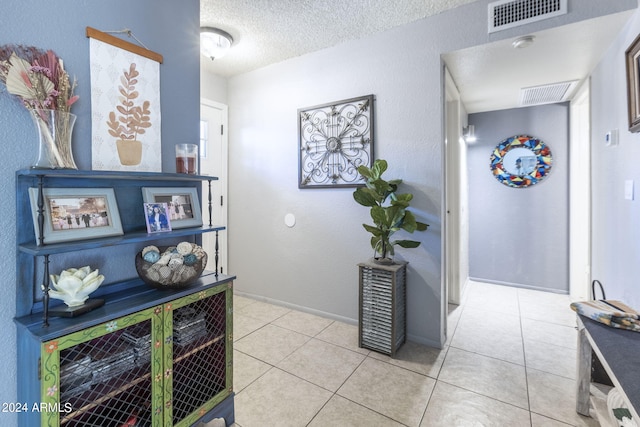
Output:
(270, 31)
(489, 76)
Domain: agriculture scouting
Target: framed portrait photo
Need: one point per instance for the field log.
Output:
(157, 217)
(183, 207)
(76, 214)
(632, 58)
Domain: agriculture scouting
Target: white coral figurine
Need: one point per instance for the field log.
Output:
(74, 285)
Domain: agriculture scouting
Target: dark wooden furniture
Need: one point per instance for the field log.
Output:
(617, 351)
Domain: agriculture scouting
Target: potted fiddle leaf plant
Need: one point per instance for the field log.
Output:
(382, 293)
(388, 211)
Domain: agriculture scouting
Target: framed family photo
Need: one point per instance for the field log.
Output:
(183, 207)
(156, 217)
(76, 214)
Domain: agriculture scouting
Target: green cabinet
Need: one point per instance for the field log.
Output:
(167, 365)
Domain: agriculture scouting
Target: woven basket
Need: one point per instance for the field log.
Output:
(165, 277)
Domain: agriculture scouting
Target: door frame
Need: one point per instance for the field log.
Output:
(456, 252)
(580, 193)
(223, 177)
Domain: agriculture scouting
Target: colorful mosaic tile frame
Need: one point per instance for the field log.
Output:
(539, 172)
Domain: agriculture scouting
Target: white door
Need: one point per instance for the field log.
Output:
(213, 162)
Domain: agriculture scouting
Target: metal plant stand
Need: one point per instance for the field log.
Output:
(382, 319)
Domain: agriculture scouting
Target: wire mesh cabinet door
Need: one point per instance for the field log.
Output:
(198, 358)
(106, 375)
(167, 365)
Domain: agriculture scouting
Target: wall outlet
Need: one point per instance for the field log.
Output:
(628, 189)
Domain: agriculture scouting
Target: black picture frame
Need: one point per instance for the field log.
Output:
(632, 58)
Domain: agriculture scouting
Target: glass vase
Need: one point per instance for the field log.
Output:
(54, 134)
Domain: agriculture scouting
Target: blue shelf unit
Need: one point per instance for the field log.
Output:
(115, 255)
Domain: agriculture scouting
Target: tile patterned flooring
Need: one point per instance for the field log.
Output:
(509, 361)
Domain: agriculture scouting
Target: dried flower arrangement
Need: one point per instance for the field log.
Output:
(38, 79)
(132, 121)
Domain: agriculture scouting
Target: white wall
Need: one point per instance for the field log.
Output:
(616, 221)
(313, 265)
(212, 87)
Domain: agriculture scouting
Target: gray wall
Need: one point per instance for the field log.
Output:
(313, 265)
(615, 221)
(164, 26)
(519, 236)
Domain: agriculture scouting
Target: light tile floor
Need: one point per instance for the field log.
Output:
(509, 361)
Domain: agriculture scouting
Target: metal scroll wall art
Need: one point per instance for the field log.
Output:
(334, 140)
(521, 161)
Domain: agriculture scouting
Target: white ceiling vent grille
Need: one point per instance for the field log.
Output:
(546, 94)
(505, 14)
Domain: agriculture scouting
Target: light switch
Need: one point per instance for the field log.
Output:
(628, 189)
(611, 138)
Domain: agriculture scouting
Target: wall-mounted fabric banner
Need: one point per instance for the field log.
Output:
(125, 105)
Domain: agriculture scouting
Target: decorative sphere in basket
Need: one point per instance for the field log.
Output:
(172, 266)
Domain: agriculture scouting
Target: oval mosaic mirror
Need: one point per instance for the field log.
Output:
(521, 161)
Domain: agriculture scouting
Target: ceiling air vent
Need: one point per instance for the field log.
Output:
(505, 14)
(546, 94)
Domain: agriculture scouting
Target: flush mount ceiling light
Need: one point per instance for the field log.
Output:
(214, 43)
(522, 42)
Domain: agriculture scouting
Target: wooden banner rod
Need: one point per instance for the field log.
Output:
(123, 44)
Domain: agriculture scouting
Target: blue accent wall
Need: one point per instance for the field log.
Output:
(166, 27)
(520, 236)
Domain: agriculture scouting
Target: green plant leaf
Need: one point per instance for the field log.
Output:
(421, 226)
(364, 171)
(409, 224)
(375, 243)
(379, 166)
(378, 215)
(407, 243)
(371, 229)
(400, 203)
(382, 189)
(395, 216)
(406, 197)
(363, 196)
